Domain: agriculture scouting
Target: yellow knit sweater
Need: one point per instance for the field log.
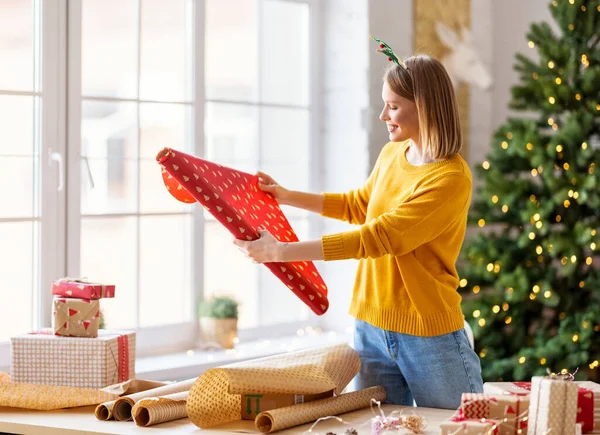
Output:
(413, 221)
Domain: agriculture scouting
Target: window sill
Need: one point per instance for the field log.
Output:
(190, 364)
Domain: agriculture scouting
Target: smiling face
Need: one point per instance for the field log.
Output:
(400, 115)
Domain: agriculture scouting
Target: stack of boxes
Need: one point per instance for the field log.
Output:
(548, 404)
(74, 352)
(76, 307)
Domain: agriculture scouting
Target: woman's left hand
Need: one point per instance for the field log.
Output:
(266, 249)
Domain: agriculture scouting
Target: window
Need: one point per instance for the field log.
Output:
(258, 116)
(82, 116)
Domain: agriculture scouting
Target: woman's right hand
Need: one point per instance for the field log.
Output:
(266, 183)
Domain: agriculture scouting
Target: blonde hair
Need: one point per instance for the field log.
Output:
(426, 82)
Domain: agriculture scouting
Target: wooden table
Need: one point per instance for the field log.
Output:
(78, 421)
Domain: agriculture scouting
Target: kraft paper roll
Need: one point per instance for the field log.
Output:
(155, 410)
(104, 410)
(215, 398)
(123, 405)
(295, 415)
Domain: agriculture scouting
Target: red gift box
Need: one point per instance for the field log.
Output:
(234, 199)
(82, 289)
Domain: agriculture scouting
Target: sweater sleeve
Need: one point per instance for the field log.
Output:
(352, 206)
(414, 222)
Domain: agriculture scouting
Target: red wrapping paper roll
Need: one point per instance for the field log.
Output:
(234, 199)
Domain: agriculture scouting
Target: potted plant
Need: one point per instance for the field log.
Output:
(218, 320)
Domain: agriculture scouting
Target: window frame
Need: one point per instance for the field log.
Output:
(50, 41)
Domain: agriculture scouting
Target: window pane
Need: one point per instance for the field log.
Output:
(164, 125)
(18, 281)
(165, 50)
(228, 272)
(165, 270)
(284, 52)
(109, 130)
(278, 303)
(232, 135)
(231, 50)
(16, 45)
(16, 124)
(109, 54)
(114, 188)
(284, 135)
(109, 255)
(154, 196)
(18, 196)
(285, 149)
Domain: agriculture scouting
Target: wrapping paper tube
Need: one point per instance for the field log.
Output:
(295, 415)
(123, 405)
(155, 410)
(104, 410)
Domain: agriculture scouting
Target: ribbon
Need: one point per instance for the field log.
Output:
(396, 420)
(123, 361)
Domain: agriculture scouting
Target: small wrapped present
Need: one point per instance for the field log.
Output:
(588, 400)
(468, 426)
(553, 406)
(76, 317)
(44, 358)
(510, 411)
(81, 288)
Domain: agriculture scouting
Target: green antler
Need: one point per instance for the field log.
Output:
(387, 50)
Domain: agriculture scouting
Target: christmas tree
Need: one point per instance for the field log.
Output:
(530, 277)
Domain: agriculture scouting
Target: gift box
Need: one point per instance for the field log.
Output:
(44, 358)
(81, 288)
(464, 426)
(553, 406)
(76, 317)
(588, 400)
(254, 404)
(234, 199)
(510, 410)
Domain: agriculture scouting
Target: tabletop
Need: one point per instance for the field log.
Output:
(79, 421)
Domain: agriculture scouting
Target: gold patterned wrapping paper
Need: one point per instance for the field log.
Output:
(51, 397)
(123, 406)
(155, 410)
(290, 416)
(215, 398)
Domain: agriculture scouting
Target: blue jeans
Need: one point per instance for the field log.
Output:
(435, 371)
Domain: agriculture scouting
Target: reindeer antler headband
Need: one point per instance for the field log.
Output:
(387, 50)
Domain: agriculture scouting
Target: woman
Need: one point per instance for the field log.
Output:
(412, 213)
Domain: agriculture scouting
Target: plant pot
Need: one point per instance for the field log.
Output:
(220, 331)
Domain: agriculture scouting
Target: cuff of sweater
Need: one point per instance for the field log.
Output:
(340, 246)
(333, 205)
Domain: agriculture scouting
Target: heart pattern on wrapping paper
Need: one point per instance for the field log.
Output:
(195, 179)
